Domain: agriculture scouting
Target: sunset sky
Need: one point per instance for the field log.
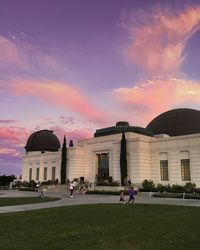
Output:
(73, 66)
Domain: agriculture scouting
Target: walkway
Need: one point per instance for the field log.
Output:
(86, 199)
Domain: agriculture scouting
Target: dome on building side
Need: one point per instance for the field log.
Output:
(182, 121)
(122, 123)
(43, 140)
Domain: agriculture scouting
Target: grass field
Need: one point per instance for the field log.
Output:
(6, 201)
(108, 226)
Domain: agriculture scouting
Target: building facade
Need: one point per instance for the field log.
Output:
(166, 151)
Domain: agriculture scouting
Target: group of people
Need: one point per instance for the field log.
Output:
(73, 186)
(81, 188)
(131, 193)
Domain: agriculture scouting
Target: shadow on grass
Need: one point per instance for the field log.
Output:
(101, 227)
(10, 201)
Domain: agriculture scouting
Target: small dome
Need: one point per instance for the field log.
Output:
(182, 121)
(122, 123)
(43, 140)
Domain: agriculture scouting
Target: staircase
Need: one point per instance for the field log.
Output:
(56, 188)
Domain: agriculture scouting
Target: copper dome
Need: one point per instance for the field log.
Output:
(182, 121)
(43, 140)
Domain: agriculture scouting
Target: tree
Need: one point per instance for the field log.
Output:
(63, 162)
(6, 179)
(123, 160)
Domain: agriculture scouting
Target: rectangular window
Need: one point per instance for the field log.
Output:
(53, 173)
(45, 173)
(30, 174)
(37, 174)
(103, 166)
(164, 170)
(185, 170)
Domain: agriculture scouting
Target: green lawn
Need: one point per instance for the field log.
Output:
(102, 226)
(4, 201)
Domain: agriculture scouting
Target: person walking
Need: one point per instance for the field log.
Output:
(71, 188)
(132, 194)
(41, 192)
(37, 187)
(129, 182)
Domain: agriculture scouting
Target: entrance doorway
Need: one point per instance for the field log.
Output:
(103, 167)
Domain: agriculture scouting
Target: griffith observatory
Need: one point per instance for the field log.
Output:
(167, 151)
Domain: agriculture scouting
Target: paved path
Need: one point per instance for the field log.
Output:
(85, 199)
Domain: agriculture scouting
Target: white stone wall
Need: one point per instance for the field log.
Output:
(75, 163)
(174, 146)
(36, 160)
(143, 158)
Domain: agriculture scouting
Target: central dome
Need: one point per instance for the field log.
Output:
(122, 123)
(182, 121)
(43, 140)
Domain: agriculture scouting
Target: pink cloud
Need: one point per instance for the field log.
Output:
(12, 141)
(158, 47)
(13, 135)
(79, 134)
(7, 121)
(156, 96)
(8, 51)
(22, 55)
(72, 134)
(57, 94)
(4, 152)
(158, 43)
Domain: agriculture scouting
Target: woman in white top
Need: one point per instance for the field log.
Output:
(71, 188)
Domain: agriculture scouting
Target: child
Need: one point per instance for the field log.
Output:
(121, 198)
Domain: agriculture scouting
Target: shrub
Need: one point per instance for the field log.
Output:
(26, 189)
(17, 185)
(197, 190)
(192, 196)
(114, 183)
(189, 187)
(177, 188)
(49, 182)
(168, 188)
(162, 195)
(32, 183)
(29, 184)
(161, 188)
(148, 185)
(106, 192)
